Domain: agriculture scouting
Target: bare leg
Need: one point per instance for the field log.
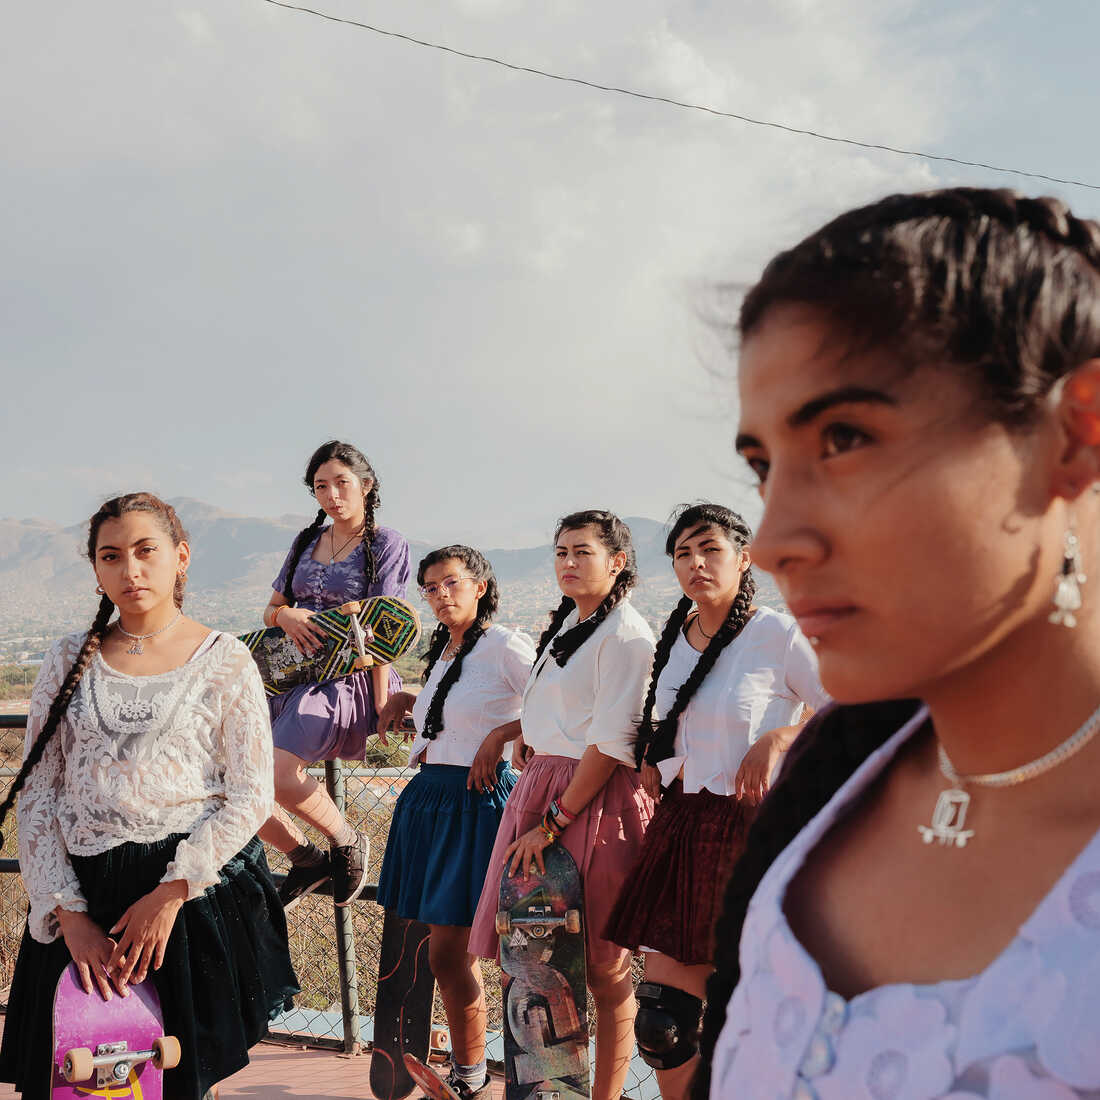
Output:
(459, 976)
(675, 1084)
(613, 991)
(297, 791)
(280, 832)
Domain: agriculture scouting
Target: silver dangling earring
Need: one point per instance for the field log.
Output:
(1067, 588)
(99, 590)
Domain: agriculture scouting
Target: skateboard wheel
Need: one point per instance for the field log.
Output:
(363, 662)
(441, 1039)
(504, 923)
(572, 920)
(166, 1052)
(352, 607)
(79, 1065)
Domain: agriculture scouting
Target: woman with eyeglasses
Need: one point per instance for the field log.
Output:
(349, 557)
(445, 822)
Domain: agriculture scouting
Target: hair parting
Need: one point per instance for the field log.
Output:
(487, 605)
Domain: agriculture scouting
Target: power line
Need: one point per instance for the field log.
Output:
(679, 102)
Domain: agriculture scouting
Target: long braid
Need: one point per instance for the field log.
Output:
(663, 743)
(828, 751)
(305, 536)
(487, 604)
(370, 532)
(563, 647)
(436, 646)
(673, 625)
(557, 617)
(60, 704)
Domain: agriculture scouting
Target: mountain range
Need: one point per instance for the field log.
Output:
(47, 587)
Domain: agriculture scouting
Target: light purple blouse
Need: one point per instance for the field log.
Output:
(319, 586)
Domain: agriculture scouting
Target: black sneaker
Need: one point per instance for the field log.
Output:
(349, 870)
(463, 1091)
(304, 880)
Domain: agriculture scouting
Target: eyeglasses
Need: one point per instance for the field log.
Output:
(430, 591)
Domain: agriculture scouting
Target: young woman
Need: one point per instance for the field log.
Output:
(351, 558)
(730, 684)
(920, 399)
(146, 774)
(580, 712)
(446, 819)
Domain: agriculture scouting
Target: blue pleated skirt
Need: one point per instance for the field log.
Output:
(439, 845)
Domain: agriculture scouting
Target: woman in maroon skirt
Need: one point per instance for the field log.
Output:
(580, 710)
(731, 683)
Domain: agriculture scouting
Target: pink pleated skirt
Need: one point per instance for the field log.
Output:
(604, 841)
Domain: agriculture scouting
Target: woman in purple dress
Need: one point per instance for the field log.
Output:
(349, 558)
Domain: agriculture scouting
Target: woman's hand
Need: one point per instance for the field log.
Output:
(521, 753)
(526, 852)
(651, 781)
(145, 928)
(91, 950)
(754, 775)
(483, 771)
(295, 624)
(399, 704)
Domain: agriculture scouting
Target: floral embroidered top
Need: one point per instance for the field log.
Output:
(138, 758)
(1028, 1026)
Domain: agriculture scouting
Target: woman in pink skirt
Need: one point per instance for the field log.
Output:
(727, 697)
(580, 711)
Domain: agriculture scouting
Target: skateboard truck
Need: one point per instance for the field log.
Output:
(361, 636)
(540, 924)
(112, 1062)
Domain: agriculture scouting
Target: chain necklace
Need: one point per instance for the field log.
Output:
(137, 649)
(949, 816)
(332, 542)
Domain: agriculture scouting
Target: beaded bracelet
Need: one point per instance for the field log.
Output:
(547, 829)
(275, 614)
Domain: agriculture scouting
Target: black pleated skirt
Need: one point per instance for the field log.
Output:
(226, 971)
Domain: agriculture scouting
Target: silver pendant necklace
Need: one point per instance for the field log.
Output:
(949, 816)
(332, 542)
(137, 649)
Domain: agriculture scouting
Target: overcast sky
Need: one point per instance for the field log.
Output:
(230, 231)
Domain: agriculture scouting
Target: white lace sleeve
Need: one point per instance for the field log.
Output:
(43, 858)
(249, 781)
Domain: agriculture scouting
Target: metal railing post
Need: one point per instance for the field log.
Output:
(345, 935)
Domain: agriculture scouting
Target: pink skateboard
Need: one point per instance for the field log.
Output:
(113, 1049)
(433, 1085)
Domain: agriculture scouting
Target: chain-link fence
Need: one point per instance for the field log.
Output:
(335, 951)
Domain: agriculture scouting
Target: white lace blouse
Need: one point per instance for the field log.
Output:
(1025, 1028)
(138, 758)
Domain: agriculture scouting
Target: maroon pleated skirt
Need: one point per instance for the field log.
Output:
(670, 900)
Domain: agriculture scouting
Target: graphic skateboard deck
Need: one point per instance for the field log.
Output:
(403, 1009)
(543, 982)
(113, 1049)
(433, 1085)
(356, 634)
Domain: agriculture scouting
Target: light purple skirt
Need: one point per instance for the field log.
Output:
(326, 721)
(604, 842)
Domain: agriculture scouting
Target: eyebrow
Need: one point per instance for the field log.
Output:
(812, 409)
(148, 538)
(575, 546)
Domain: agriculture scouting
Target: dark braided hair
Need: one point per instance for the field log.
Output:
(616, 538)
(1004, 287)
(357, 462)
(112, 509)
(657, 743)
(487, 606)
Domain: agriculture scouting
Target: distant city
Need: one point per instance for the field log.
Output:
(47, 586)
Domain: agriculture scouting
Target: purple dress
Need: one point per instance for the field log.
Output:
(325, 721)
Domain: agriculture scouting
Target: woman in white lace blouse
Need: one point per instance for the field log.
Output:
(146, 773)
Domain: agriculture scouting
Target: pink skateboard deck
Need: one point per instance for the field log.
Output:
(112, 1049)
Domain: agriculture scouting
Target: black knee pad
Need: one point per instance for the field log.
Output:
(667, 1025)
